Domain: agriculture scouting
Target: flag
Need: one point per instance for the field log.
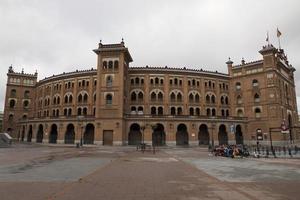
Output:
(278, 33)
(267, 39)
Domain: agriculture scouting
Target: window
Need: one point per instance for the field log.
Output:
(257, 112)
(153, 110)
(197, 111)
(108, 99)
(104, 64)
(160, 96)
(140, 96)
(179, 97)
(173, 110)
(208, 112)
(179, 111)
(207, 99)
(160, 111)
(156, 80)
(26, 94)
(116, 64)
(240, 113)
(137, 80)
(26, 104)
(213, 112)
(12, 103)
(256, 98)
(133, 96)
(213, 99)
(197, 98)
(78, 111)
(191, 111)
(153, 96)
(109, 81)
(191, 98)
(13, 93)
(239, 100)
(85, 98)
(237, 85)
(84, 111)
(173, 97)
(80, 98)
(110, 64)
(255, 83)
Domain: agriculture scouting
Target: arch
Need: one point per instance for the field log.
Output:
(70, 134)
(238, 85)
(53, 134)
(207, 98)
(133, 96)
(89, 134)
(29, 134)
(191, 111)
(26, 94)
(197, 111)
(173, 97)
(257, 112)
(182, 136)
(173, 111)
(239, 135)
(116, 64)
(160, 96)
(179, 97)
(140, 96)
(239, 99)
(158, 135)
(191, 97)
(153, 110)
(160, 110)
(134, 135)
(40, 134)
(79, 98)
(213, 99)
(110, 64)
(109, 80)
(85, 97)
(256, 97)
(222, 135)
(153, 96)
(197, 98)
(203, 135)
(240, 113)
(254, 83)
(179, 111)
(12, 103)
(104, 64)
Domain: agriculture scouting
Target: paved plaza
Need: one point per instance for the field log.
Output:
(31, 171)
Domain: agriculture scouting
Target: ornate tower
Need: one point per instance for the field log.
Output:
(112, 83)
(19, 102)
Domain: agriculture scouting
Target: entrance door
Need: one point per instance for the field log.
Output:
(108, 137)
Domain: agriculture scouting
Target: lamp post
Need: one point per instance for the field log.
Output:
(212, 135)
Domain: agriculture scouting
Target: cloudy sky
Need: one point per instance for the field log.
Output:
(58, 36)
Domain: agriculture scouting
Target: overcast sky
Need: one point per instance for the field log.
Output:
(58, 36)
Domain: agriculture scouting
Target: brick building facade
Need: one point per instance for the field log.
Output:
(117, 104)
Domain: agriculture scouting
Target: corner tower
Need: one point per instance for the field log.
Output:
(111, 95)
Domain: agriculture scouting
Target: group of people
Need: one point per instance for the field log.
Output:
(233, 151)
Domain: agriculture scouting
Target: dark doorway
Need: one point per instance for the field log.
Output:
(108, 137)
(70, 134)
(135, 135)
(158, 135)
(40, 134)
(222, 136)
(203, 135)
(182, 136)
(239, 135)
(29, 134)
(88, 137)
(290, 128)
(53, 134)
(23, 134)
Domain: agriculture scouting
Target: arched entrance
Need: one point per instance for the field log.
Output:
(158, 135)
(135, 135)
(53, 134)
(182, 136)
(88, 137)
(70, 134)
(239, 135)
(203, 135)
(40, 134)
(29, 134)
(222, 136)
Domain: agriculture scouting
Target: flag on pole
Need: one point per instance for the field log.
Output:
(267, 39)
(278, 33)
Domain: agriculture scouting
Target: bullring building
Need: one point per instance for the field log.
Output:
(115, 104)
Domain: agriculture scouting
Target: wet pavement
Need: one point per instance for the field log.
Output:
(97, 172)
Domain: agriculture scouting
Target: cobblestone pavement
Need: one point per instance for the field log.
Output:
(43, 172)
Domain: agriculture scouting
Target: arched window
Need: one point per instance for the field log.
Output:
(222, 100)
(160, 96)
(70, 112)
(110, 64)
(207, 99)
(208, 112)
(104, 64)
(26, 104)
(65, 112)
(255, 83)
(140, 96)
(66, 99)
(153, 110)
(237, 85)
(109, 81)
(153, 96)
(173, 110)
(179, 97)
(227, 113)
(85, 97)
(213, 112)
(197, 98)
(223, 113)
(173, 97)
(197, 111)
(79, 98)
(10, 117)
(160, 111)
(191, 111)
(26, 94)
(161, 81)
(58, 100)
(70, 99)
(226, 100)
(140, 108)
(116, 64)
(95, 97)
(175, 81)
(84, 111)
(137, 80)
(132, 81)
(179, 111)
(240, 113)
(256, 98)
(213, 99)
(193, 82)
(57, 112)
(151, 81)
(257, 112)
(191, 98)
(108, 99)
(54, 100)
(156, 80)
(78, 111)
(133, 96)
(12, 103)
